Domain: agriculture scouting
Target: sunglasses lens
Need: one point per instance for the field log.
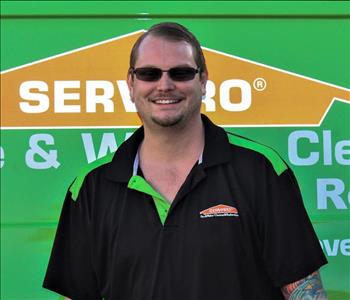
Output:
(182, 73)
(148, 74)
(176, 74)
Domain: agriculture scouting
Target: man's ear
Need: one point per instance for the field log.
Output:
(130, 82)
(203, 80)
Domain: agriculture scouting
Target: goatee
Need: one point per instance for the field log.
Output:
(167, 122)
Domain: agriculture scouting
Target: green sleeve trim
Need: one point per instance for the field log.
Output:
(138, 183)
(78, 182)
(277, 162)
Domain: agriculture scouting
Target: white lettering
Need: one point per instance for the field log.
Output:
(124, 93)
(331, 250)
(330, 189)
(105, 98)
(297, 140)
(327, 148)
(37, 157)
(61, 97)
(2, 157)
(246, 95)
(340, 152)
(108, 144)
(208, 100)
(345, 247)
(332, 247)
(102, 92)
(41, 101)
(294, 156)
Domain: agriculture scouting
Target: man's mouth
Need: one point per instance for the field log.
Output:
(166, 100)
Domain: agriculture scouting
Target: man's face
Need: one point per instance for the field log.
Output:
(166, 102)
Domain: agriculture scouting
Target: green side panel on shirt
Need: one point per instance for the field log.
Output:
(138, 183)
(75, 187)
(277, 162)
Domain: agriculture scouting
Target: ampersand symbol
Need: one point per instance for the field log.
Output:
(48, 158)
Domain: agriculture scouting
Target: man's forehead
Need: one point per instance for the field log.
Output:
(156, 48)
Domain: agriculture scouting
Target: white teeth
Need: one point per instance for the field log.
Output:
(163, 101)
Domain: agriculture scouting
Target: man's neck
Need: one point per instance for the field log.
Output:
(168, 155)
(173, 144)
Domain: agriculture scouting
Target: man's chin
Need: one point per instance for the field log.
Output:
(167, 122)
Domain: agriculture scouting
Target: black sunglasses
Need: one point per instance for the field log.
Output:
(154, 74)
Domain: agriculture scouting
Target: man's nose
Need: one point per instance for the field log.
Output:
(165, 83)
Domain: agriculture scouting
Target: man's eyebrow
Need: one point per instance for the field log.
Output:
(175, 66)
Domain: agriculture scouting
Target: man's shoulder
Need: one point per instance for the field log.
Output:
(96, 167)
(116, 165)
(246, 149)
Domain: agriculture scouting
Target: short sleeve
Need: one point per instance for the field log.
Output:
(291, 250)
(70, 271)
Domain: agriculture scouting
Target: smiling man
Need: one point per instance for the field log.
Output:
(183, 210)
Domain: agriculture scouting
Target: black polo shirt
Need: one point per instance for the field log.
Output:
(237, 229)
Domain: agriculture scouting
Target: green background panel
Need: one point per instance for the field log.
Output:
(336, 273)
(47, 187)
(24, 260)
(310, 38)
(338, 122)
(314, 42)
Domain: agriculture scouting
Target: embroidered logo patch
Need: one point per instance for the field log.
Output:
(220, 210)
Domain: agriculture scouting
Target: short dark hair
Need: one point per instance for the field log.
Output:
(172, 32)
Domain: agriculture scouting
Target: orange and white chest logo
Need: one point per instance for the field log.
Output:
(220, 210)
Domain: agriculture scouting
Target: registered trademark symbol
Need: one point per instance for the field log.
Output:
(260, 84)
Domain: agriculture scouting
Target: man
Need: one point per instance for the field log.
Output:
(183, 210)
